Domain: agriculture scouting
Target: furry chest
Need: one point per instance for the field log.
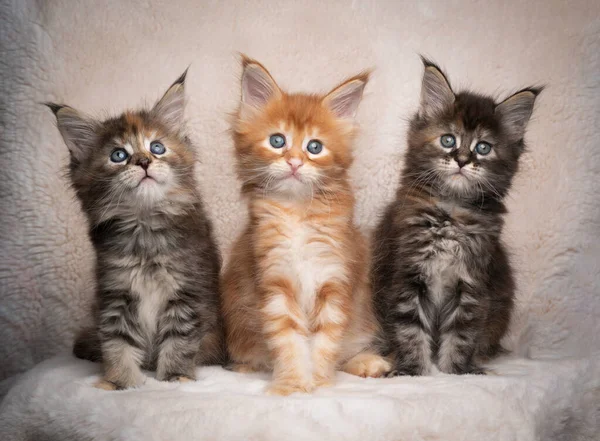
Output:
(150, 283)
(153, 287)
(444, 259)
(306, 257)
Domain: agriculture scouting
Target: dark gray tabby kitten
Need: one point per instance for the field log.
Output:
(157, 262)
(444, 289)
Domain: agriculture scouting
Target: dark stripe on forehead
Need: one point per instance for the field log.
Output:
(134, 123)
(475, 111)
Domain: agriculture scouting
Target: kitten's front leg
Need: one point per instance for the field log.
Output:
(122, 346)
(178, 340)
(286, 336)
(408, 326)
(328, 324)
(462, 319)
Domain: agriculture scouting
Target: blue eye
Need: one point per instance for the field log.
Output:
(277, 140)
(157, 148)
(483, 148)
(119, 155)
(448, 141)
(314, 146)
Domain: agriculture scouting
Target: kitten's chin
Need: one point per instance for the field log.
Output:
(292, 188)
(460, 185)
(149, 191)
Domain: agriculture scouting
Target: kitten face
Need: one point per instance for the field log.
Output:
(293, 144)
(136, 160)
(465, 144)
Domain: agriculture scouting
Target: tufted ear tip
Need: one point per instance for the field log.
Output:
(436, 92)
(181, 79)
(246, 61)
(170, 108)
(428, 63)
(54, 107)
(536, 90)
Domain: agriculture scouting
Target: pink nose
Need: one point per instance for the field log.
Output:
(295, 164)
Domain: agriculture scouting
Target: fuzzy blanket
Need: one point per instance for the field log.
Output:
(110, 55)
(527, 400)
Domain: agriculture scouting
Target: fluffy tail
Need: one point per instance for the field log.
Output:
(212, 349)
(87, 345)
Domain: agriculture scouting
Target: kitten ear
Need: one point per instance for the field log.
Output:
(77, 130)
(516, 110)
(344, 99)
(170, 108)
(258, 86)
(436, 93)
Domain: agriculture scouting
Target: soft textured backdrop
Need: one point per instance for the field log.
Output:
(102, 57)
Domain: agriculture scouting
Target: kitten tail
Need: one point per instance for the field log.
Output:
(87, 345)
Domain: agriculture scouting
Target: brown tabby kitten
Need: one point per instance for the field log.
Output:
(157, 263)
(443, 283)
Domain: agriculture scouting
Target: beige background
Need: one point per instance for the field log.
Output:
(103, 57)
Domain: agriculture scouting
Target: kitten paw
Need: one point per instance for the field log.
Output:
(288, 388)
(466, 370)
(475, 370)
(394, 373)
(106, 385)
(368, 365)
(322, 381)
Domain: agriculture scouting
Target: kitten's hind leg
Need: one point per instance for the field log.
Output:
(121, 365)
(368, 364)
(286, 334)
(328, 323)
(179, 341)
(462, 321)
(122, 348)
(408, 330)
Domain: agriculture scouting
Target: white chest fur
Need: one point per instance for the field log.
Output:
(306, 255)
(443, 263)
(150, 283)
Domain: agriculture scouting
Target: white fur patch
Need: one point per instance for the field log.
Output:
(309, 265)
(297, 346)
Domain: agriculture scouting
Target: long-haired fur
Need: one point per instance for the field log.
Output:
(296, 294)
(443, 282)
(157, 304)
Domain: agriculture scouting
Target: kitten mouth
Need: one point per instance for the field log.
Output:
(458, 174)
(294, 176)
(146, 178)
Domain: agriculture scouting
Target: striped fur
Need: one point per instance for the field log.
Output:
(443, 284)
(157, 263)
(296, 297)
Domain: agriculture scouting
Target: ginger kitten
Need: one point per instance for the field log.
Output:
(157, 263)
(296, 294)
(444, 283)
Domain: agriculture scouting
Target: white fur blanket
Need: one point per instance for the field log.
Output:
(110, 55)
(528, 400)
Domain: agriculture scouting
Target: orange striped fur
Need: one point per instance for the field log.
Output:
(296, 295)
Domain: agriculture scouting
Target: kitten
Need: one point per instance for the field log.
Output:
(296, 295)
(157, 263)
(444, 286)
